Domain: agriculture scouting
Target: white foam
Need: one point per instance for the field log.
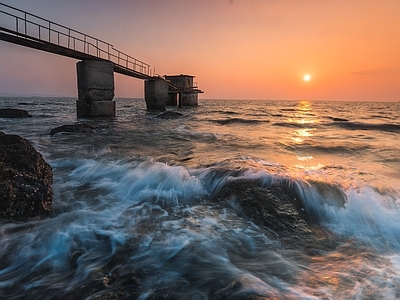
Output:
(367, 215)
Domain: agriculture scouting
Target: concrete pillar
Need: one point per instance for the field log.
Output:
(172, 99)
(95, 89)
(156, 94)
(189, 99)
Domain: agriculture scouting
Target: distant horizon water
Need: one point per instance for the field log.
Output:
(38, 95)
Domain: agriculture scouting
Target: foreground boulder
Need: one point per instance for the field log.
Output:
(25, 180)
(14, 113)
(279, 210)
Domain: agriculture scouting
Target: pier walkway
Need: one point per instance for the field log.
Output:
(25, 29)
(98, 62)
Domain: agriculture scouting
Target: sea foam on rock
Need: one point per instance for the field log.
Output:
(25, 180)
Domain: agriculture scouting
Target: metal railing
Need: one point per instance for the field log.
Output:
(26, 25)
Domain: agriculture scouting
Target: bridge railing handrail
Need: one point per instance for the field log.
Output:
(109, 53)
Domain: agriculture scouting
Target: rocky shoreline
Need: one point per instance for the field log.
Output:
(25, 180)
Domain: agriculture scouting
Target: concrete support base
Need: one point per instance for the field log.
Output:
(95, 89)
(156, 94)
(189, 99)
(95, 109)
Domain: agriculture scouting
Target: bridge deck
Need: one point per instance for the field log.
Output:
(25, 29)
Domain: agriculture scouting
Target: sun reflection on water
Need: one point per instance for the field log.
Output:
(301, 137)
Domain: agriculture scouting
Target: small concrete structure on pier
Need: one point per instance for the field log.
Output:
(171, 91)
(182, 90)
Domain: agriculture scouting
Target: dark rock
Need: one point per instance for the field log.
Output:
(75, 128)
(273, 207)
(25, 180)
(14, 113)
(170, 115)
(277, 209)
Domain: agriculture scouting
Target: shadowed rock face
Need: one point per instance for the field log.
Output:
(14, 113)
(25, 180)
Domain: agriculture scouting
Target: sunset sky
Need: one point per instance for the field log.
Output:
(237, 49)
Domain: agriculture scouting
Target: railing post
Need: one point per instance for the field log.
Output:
(84, 43)
(25, 26)
(49, 32)
(69, 36)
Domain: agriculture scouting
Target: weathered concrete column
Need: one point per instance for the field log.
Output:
(189, 99)
(95, 89)
(156, 94)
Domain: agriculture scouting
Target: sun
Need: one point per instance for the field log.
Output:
(307, 77)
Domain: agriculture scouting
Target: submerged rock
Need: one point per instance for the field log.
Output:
(170, 115)
(14, 113)
(75, 128)
(25, 180)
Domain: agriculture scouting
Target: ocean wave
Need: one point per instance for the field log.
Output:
(239, 121)
(225, 112)
(134, 182)
(293, 125)
(389, 127)
(329, 149)
(338, 119)
(382, 116)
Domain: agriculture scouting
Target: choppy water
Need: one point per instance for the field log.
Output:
(133, 218)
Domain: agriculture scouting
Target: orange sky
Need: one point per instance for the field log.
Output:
(237, 49)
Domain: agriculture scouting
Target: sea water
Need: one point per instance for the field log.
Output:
(132, 202)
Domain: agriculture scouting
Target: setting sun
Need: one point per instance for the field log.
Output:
(307, 77)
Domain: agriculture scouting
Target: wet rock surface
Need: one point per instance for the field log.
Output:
(25, 180)
(279, 210)
(14, 113)
(74, 128)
